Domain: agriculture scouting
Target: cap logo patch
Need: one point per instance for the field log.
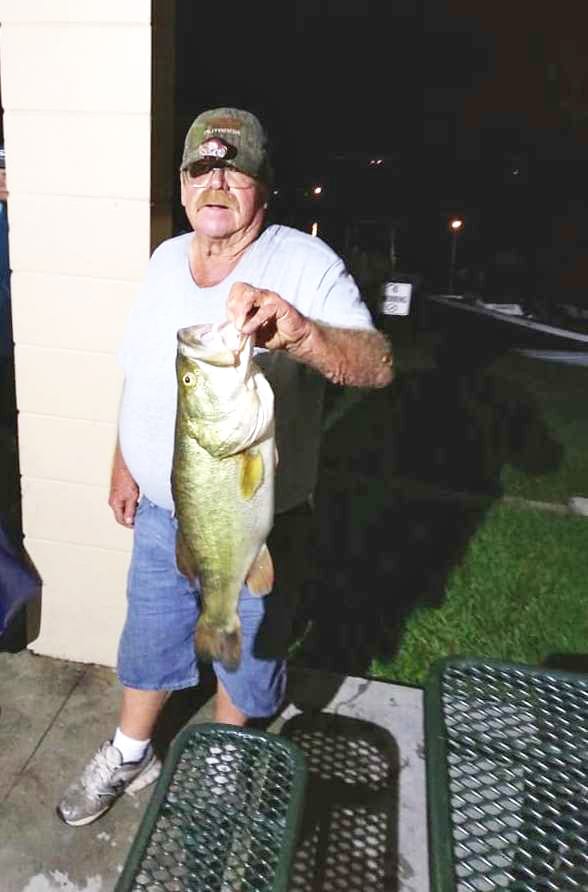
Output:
(214, 148)
(223, 125)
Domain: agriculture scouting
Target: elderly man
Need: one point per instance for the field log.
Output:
(294, 294)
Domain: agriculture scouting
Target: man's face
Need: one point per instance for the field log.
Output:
(222, 203)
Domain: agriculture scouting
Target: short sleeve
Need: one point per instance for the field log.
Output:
(338, 300)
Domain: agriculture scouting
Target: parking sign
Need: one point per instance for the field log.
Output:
(396, 299)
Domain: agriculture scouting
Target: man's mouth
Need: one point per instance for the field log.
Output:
(215, 198)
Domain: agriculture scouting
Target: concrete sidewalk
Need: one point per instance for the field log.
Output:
(364, 746)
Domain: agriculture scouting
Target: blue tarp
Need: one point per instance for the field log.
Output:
(5, 323)
(19, 583)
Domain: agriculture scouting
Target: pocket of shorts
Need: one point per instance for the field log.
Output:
(142, 505)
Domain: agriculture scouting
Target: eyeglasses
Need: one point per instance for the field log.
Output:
(234, 179)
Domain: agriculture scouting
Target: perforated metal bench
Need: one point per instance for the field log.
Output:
(223, 817)
(507, 778)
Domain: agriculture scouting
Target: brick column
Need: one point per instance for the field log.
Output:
(77, 95)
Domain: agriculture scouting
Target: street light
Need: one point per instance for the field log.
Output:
(455, 226)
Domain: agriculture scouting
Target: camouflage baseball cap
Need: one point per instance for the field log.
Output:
(228, 137)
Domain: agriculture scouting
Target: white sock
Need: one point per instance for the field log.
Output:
(132, 750)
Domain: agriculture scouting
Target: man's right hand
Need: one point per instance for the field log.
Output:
(124, 492)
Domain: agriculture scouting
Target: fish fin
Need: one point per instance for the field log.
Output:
(260, 579)
(252, 472)
(214, 643)
(184, 559)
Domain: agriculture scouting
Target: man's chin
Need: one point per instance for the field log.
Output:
(214, 230)
(214, 225)
(214, 222)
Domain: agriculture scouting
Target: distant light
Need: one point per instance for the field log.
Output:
(314, 230)
(317, 190)
(276, 191)
(456, 224)
(375, 162)
(516, 172)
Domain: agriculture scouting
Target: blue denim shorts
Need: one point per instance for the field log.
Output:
(156, 649)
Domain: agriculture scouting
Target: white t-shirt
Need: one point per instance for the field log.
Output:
(301, 269)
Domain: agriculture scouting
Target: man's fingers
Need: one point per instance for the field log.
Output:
(249, 307)
(118, 513)
(261, 315)
(240, 303)
(129, 509)
(124, 511)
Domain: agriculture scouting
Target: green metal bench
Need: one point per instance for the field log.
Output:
(223, 817)
(507, 778)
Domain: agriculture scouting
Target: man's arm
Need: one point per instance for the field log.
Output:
(345, 356)
(124, 492)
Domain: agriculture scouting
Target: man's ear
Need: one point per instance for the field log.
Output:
(182, 189)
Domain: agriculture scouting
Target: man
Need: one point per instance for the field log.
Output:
(294, 294)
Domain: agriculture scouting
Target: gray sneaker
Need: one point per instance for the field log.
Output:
(104, 779)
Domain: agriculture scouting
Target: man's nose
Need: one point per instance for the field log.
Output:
(217, 179)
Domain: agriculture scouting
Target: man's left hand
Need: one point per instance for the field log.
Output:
(275, 323)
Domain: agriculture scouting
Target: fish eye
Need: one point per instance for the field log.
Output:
(189, 379)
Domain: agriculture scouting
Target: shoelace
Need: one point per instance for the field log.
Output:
(98, 774)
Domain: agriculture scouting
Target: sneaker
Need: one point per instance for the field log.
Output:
(104, 779)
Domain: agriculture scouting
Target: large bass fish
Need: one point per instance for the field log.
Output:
(222, 479)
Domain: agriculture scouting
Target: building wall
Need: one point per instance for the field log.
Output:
(77, 96)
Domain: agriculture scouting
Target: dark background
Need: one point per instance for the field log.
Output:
(475, 109)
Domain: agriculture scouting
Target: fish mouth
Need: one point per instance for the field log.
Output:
(219, 344)
(195, 335)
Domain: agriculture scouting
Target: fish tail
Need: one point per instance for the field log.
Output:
(214, 643)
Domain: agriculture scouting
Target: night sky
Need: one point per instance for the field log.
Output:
(477, 108)
(374, 75)
(325, 76)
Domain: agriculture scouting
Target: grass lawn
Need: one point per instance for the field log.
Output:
(530, 414)
(405, 578)
(559, 393)
(519, 595)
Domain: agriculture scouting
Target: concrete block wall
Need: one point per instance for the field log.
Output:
(77, 95)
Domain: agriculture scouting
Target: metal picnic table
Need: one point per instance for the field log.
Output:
(507, 778)
(223, 816)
